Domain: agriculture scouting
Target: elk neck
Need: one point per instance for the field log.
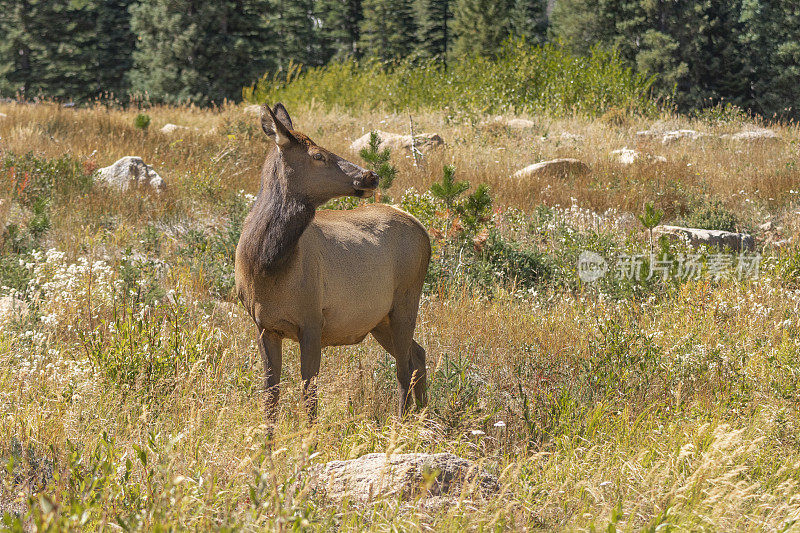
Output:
(277, 219)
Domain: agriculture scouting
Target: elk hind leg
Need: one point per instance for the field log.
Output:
(396, 338)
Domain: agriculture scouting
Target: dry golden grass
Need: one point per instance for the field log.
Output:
(734, 171)
(678, 408)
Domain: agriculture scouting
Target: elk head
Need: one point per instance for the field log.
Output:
(310, 170)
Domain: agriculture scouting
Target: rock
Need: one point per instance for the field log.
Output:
(566, 136)
(557, 168)
(11, 308)
(648, 133)
(519, 123)
(672, 136)
(766, 226)
(626, 156)
(737, 242)
(253, 109)
(130, 171)
(760, 134)
(406, 476)
(513, 123)
(172, 128)
(397, 142)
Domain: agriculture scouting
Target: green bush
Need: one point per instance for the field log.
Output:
(711, 214)
(142, 121)
(509, 264)
(520, 78)
(212, 256)
(36, 179)
(148, 351)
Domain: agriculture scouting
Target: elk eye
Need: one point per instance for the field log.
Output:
(318, 157)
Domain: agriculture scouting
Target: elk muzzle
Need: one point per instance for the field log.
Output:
(366, 183)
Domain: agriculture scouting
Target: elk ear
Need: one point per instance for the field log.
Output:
(273, 127)
(283, 115)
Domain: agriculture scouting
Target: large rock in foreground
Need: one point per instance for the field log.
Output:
(557, 168)
(130, 171)
(737, 242)
(397, 142)
(406, 476)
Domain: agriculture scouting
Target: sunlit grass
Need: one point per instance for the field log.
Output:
(671, 405)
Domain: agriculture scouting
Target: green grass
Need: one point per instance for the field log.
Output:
(519, 79)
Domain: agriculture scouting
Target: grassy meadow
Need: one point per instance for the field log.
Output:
(131, 391)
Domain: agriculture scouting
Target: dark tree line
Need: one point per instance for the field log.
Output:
(746, 52)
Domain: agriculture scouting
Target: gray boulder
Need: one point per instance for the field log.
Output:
(168, 129)
(759, 134)
(11, 308)
(130, 171)
(512, 123)
(627, 156)
(556, 168)
(677, 135)
(405, 476)
(737, 242)
(398, 142)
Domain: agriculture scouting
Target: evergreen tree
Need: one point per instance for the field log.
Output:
(690, 45)
(47, 49)
(481, 26)
(582, 24)
(192, 51)
(772, 61)
(434, 34)
(296, 39)
(387, 29)
(113, 51)
(339, 28)
(529, 20)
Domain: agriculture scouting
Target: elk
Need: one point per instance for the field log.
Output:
(328, 277)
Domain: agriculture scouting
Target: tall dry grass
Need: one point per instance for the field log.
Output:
(674, 410)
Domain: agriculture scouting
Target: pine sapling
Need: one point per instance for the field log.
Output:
(474, 210)
(378, 161)
(448, 189)
(142, 121)
(650, 219)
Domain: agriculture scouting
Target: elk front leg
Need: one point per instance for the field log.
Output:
(269, 345)
(310, 356)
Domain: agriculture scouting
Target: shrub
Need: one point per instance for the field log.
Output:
(711, 214)
(509, 264)
(142, 121)
(212, 256)
(520, 78)
(148, 350)
(378, 161)
(32, 179)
